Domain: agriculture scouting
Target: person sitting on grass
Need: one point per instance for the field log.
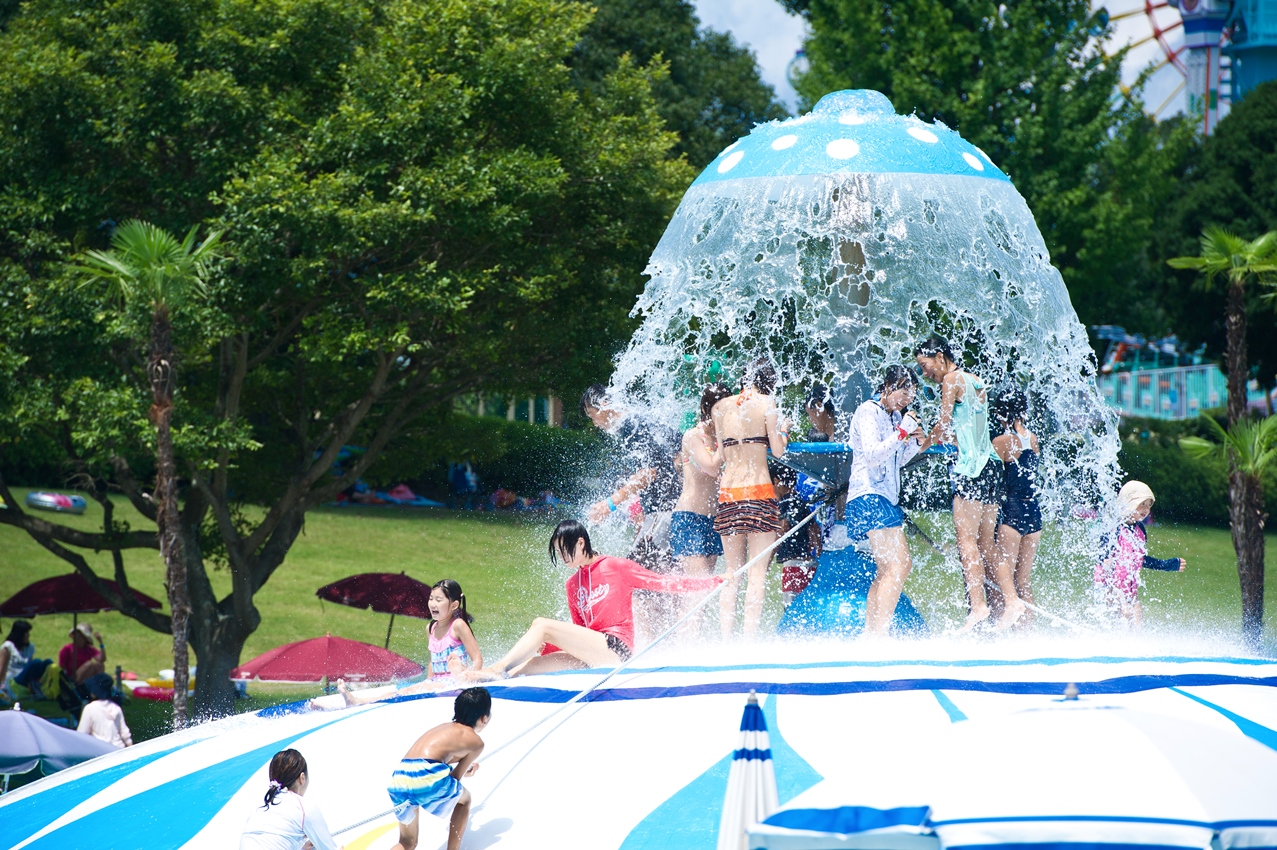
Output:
(600, 599)
(426, 779)
(78, 659)
(103, 718)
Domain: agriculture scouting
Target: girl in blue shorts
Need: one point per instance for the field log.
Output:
(880, 446)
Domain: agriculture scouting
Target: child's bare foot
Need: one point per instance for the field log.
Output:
(974, 619)
(487, 674)
(1014, 612)
(345, 693)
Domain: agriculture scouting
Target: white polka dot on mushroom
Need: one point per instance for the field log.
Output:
(923, 135)
(730, 162)
(784, 142)
(729, 148)
(851, 118)
(842, 148)
(973, 162)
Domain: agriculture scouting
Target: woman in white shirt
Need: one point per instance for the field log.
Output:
(286, 821)
(103, 718)
(15, 654)
(882, 441)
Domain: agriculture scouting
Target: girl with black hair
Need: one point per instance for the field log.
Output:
(884, 437)
(976, 475)
(17, 658)
(1020, 519)
(285, 821)
(601, 603)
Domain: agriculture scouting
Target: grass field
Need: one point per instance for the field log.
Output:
(500, 560)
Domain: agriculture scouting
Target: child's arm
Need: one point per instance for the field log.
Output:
(462, 632)
(943, 432)
(645, 579)
(699, 453)
(468, 765)
(1168, 565)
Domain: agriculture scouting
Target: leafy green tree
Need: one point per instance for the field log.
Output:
(422, 204)
(1030, 84)
(1230, 182)
(712, 94)
(1248, 448)
(1251, 449)
(147, 264)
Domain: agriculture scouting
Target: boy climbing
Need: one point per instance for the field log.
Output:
(426, 779)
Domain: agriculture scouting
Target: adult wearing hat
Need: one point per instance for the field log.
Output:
(103, 718)
(80, 659)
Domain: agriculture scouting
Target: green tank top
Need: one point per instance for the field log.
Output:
(971, 429)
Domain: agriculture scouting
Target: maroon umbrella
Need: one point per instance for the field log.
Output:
(68, 594)
(385, 593)
(331, 657)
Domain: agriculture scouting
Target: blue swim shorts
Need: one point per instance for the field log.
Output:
(871, 512)
(425, 783)
(693, 534)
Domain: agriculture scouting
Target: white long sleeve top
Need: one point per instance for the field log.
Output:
(286, 826)
(877, 452)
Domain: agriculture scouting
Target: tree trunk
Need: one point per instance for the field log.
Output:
(1238, 368)
(1246, 515)
(218, 645)
(160, 372)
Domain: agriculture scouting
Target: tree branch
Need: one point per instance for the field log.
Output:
(124, 477)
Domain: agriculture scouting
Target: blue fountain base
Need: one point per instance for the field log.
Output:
(834, 602)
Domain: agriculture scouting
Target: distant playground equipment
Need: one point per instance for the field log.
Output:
(59, 502)
(1160, 379)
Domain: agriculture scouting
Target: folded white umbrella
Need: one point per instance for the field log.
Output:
(1066, 775)
(751, 785)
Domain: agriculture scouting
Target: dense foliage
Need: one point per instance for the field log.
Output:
(419, 201)
(1030, 84)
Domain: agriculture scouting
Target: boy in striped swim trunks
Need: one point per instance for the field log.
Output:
(426, 779)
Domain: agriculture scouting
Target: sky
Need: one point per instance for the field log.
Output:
(774, 36)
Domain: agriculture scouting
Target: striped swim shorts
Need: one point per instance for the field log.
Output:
(423, 782)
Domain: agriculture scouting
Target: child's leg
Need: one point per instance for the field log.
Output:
(967, 516)
(460, 819)
(756, 590)
(1024, 569)
(891, 553)
(551, 663)
(1137, 614)
(585, 644)
(694, 565)
(1006, 551)
(733, 560)
(408, 832)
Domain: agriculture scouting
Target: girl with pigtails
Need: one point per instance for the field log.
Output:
(285, 821)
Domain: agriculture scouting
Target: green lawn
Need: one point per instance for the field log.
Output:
(500, 560)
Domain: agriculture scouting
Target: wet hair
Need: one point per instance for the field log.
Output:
(934, 345)
(1007, 405)
(565, 537)
(760, 375)
(452, 589)
(286, 767)
(897, 377)
(713, 394)
(471, 706)
(18, 634)
(820, 397)
(595, 397)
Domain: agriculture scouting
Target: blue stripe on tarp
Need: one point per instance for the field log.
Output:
(172, 813)
(25, 817)
(848, 820)
(1119, 685)
(752, 755)
(1249, 728)
(955, 713)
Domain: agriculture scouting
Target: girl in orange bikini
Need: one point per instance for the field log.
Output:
(748, 517)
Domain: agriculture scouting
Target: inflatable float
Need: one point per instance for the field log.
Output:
(59, 502)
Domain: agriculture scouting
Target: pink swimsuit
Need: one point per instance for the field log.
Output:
(1119, 573)
(444, 649)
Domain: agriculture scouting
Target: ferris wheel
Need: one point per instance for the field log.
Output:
(1179, 42)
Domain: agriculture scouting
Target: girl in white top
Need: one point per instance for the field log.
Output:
(286, 821)
(103, 718)
(15, 653)
(882, 441)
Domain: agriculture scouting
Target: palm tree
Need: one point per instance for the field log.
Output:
(1251, 449)
(1225, 253)
(148, 264)
(1240, 261)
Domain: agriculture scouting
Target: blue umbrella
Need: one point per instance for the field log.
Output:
(27, 741)
(751, 785)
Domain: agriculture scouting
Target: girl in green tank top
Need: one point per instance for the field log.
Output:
(977, 477)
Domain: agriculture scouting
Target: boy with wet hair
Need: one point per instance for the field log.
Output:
(426, 779)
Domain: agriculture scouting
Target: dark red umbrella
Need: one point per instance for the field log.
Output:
(68, 594)
(331, 657)
(385, 593)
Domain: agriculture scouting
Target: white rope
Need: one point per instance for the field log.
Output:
(576, 699)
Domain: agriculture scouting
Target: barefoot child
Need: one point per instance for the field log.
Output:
(453, 648)
(1117, 576)
(426, 779)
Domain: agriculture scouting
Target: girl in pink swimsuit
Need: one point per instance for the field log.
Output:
(1117, 576)
(452, 644)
